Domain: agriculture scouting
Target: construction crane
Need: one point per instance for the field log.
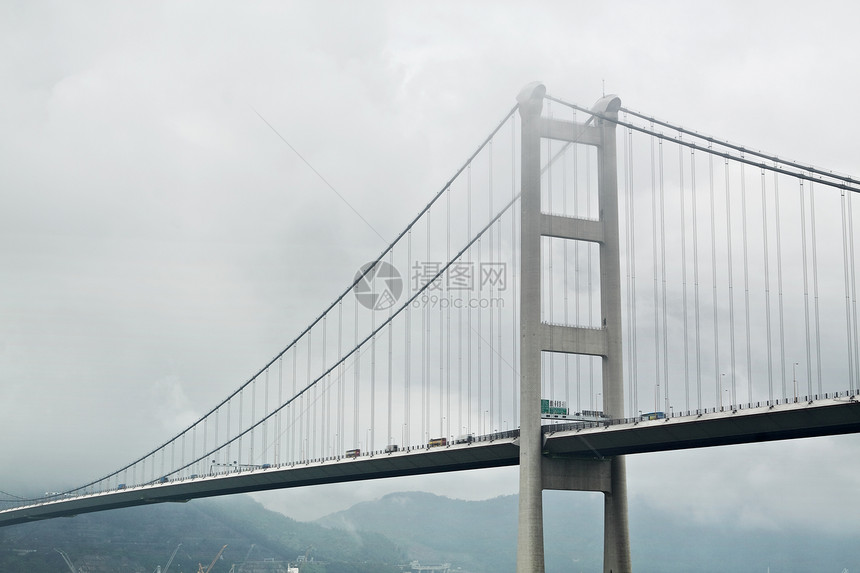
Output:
(200, 568)
(169, 561)
(67, 560)
(248, 554)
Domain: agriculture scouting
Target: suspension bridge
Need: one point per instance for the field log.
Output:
(591, 283)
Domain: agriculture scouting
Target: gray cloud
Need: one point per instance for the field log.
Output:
(158, 242)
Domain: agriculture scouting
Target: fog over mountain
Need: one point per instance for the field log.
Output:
(158, 242)
(377, 536)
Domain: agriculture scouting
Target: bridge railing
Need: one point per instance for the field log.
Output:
(851, 395)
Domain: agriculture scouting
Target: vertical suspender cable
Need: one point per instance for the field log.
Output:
(853, 266)
(425, 340)
(324, 405)
(441, 387)
(331, 396)
(627, 177)
(549, 373)
(216, 442)
(292, 444)
(241, 438)
(205, 431)
(805, 289)
(497, 294)
(628, 206)
(469, 311)
(480, 357)
(356, 437)
(389, 434)
(514, 282)
(340, 381)
(264, 442)
(731, 285)
(372, 439)
(634, 369)
(448, 319)
(253, 421)
(845, 270)
(277, 419)
(590, 304)
(782, 362)
(683, 274)
(853, 291)
(746, 283)
(546, 374)
(766, 289)
(229, 441)
(407, 406)
(656, 262)
(307, 404)
(713, 282)
(460, 344)
(693, 193)
(815, 285)
(491, 380)
(566, 320)
(663, 272)
(576, 270)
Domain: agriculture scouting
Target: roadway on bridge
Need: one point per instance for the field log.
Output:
(578, 440)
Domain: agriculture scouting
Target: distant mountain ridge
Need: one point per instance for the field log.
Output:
(139, 539)
(481, 537)
(477, 536)
(377, 536)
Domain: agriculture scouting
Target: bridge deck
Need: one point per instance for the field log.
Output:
(416, 461)
(732, 426)
(617, 437)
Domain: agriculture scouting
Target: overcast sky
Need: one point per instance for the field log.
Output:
(159, 243)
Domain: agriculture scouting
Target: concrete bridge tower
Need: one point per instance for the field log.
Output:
(537, 471)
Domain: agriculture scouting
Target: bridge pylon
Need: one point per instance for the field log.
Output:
(538, 471)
